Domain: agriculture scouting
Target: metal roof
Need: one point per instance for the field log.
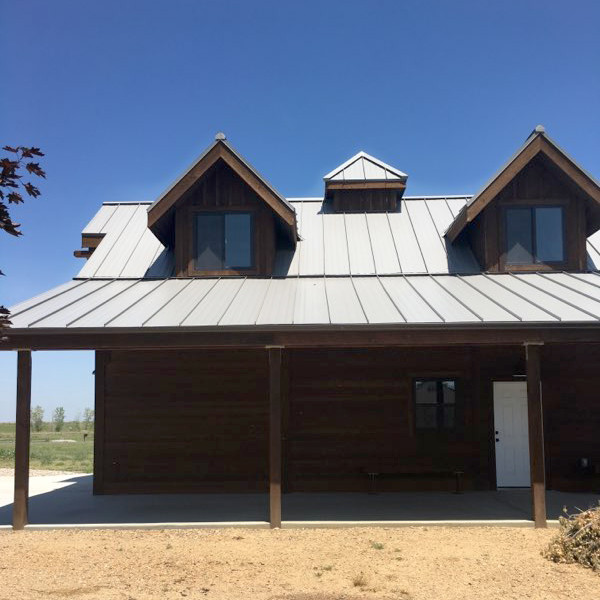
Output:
(408, 241)
(364, 167)
(232, 302)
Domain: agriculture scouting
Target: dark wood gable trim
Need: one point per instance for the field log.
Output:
(540, 143)
(161, 211)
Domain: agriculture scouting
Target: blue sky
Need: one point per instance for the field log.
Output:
(122, 95)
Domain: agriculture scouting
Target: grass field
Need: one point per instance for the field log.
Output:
(45, 453)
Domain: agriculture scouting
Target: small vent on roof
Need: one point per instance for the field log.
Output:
(220, 136)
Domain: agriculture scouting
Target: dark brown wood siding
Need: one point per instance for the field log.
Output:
(351, 411)
(197, 420)
(571, 403)
(186, 421)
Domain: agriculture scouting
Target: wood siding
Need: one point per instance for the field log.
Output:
(351, 411)
(198, 420)
(365, 200)
(185, 421)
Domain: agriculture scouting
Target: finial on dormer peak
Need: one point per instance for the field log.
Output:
(220, 136)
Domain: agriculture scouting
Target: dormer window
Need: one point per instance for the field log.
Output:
(222, 219)
(223, 241)
(534, 235)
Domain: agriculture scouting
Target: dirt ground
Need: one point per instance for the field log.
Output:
(421, 563)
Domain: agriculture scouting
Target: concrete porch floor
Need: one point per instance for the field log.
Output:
(68, 500)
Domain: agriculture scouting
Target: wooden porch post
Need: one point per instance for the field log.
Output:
(536, 433)
(275, 353)
(22, 434)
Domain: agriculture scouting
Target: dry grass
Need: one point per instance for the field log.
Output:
(578, 540)
(289, 564)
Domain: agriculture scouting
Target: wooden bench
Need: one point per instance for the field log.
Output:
(373, 473)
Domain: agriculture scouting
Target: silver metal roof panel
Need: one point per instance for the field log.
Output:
(375, 301)
(145, 300)
(385, 256)
(432, 247)
(407, 247)
(279, 303)
(364, 167)
(26, 313)
(409, 303)
(335, 245)
(45, 296)
(67, 315)
(312, 256)
(342, 301)
(246, 304)
(485, 307)
(213, 306)
(311, 302)
(181, 304)
(99, 220)
(490, 286)
(442, 302)
(359, 245)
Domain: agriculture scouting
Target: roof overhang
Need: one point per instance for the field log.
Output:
(301, 336)
(537, 143)
(161, 210)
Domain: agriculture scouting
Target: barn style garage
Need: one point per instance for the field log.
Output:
(363, 341)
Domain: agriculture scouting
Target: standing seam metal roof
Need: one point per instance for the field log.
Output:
(233, 302)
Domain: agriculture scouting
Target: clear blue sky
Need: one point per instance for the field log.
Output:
(121, 95)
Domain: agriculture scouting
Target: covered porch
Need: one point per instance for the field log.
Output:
(57, 501)
(533, 505)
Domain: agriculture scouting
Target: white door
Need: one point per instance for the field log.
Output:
(512, 435)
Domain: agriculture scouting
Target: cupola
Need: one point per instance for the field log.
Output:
(364, 184)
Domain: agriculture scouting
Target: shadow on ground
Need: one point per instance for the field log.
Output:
(74, 503)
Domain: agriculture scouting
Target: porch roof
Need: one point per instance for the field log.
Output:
(401, 300)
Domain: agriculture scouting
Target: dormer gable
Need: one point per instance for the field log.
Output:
(364, 184)
(535, 214)
(222, 218)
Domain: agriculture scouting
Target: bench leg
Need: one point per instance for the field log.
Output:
(458, 481)
(372, 483)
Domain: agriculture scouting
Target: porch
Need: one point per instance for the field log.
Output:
(68, 500)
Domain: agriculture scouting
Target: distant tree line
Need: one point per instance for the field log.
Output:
(81, 422)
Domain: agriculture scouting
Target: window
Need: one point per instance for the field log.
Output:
(435, 403)
(223, 241)
(534, 234)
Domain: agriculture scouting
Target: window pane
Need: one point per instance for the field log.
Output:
(549, 234)
(448, 416)
(209, 242)
(426, 416)
(449, 392)
(519, 245)
(426, 392)
(238, 240)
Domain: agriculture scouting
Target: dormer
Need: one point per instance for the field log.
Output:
(364, 184)
(222, 218)
(535, 214)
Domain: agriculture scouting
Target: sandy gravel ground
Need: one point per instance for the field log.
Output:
(311, 564)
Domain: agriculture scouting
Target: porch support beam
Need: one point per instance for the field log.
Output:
(536, 433)
(22, 435)
(275, 441)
